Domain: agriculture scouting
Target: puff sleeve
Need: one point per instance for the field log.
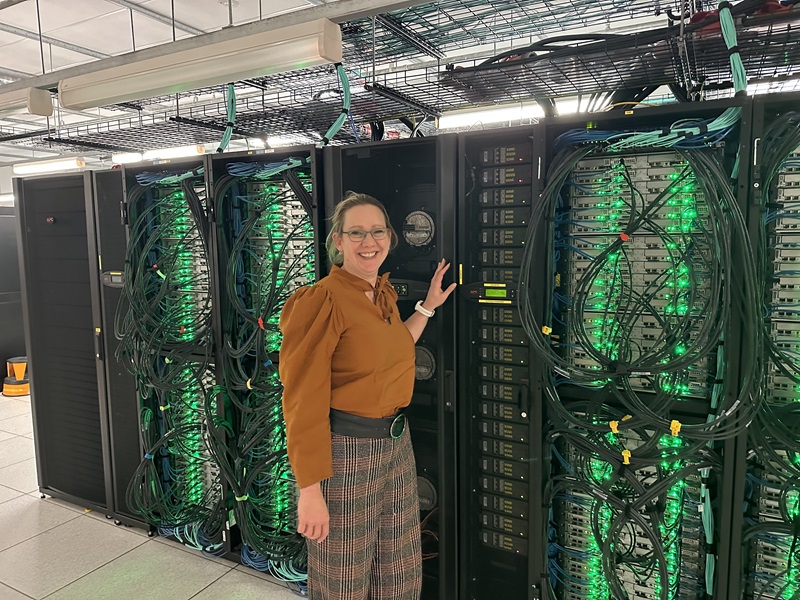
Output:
(311, 327)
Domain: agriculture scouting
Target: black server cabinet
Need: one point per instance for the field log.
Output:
(117, 385)
(500, 423)
(12, 342)
(58, 287)
(415, 180)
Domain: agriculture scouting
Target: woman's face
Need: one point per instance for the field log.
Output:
(363, 258)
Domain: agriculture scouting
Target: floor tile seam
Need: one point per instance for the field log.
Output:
(16, 463)
(38, 534)
(13, 497)
(213, 582)
(97, 569)
(11, 587)
(187, 549)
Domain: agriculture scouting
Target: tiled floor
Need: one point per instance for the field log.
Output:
(56, 550)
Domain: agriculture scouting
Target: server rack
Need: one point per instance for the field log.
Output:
(167, 340)
(415, 180)
(59, 291)
(535, 540)
(266, 207)
(500, 414)
(769, 481)
(13, 341)
(117, 385)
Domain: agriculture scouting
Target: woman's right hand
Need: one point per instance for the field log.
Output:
(312, 513)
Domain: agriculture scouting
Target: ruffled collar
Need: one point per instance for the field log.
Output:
(383, 298)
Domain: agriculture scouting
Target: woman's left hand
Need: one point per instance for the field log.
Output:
(436, 295)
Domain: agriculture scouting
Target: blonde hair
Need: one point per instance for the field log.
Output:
(351, 200)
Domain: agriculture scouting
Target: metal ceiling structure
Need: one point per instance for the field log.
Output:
(415, 60)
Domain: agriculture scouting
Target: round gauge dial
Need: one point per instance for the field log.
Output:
(428, 497)
(418, 228)
(425, 364)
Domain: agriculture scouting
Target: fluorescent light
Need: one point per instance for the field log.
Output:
(498, 114)
(126, 157)
(48, 166)
(256, 143)
(31, 100)
(178, 152)
(6, 199)
(256, 55)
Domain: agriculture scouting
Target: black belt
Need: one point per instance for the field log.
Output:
(364, 427)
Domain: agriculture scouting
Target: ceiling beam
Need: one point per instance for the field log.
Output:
(157, 16)
(32, 35)
(339, 12)
(5, 71)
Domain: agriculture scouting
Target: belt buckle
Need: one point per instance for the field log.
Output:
(398, 426)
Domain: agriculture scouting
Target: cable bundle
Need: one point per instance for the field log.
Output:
(164, 324)
(267, 252)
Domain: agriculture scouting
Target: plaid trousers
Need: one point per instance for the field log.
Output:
(373, 550)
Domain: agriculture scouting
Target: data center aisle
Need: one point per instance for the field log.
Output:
(56, 550)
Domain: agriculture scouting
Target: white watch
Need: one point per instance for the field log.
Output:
(421, 309)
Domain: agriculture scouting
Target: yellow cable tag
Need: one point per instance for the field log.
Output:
(626, 417)
(546, 330)
(614, 425)
(626, 457)
(675, 427)
(249, 387)
(558, 279)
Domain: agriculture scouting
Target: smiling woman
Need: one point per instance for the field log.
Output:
(347, 363)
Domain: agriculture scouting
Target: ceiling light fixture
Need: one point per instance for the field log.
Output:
(31, 100)
(496, 114)
(126, 157)
(288, 48)
(178, 152)
(49, 166)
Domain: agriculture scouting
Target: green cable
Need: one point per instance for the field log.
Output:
(337, 125)
(226, 137)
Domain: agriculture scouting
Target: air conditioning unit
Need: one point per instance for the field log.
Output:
(30, 100)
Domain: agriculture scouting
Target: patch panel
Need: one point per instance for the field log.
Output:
(501, 257)
(504, 449)
(507, 431)
(503, 237)
(503, 176)
(498, 315)
(504, 373)
(504, 542)
(504, 217)
(504, 155)
(504, 468)
(504, 524)
(504, 354)
(500, 275)
(503, 487)
(503, 335)
(499, 391)
(510, 196)
(506, 506)
(500, 410)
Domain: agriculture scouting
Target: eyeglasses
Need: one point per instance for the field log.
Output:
(358, 235)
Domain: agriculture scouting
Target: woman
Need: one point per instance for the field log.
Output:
(347, 366)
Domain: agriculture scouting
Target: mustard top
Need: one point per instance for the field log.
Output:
(340, 351)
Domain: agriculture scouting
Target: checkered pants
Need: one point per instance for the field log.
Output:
(373, 550)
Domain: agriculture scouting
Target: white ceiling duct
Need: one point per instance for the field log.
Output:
(288, 48)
